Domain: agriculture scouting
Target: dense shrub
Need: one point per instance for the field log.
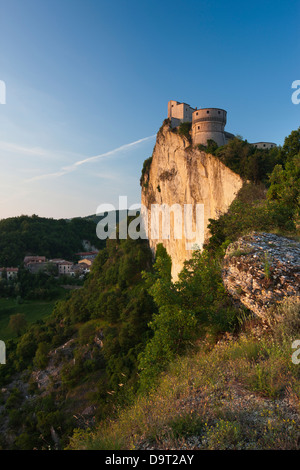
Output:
(145, 171)
(250, 211)
(184, 129)
(194, 306)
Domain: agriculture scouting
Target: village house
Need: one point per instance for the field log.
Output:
(35, 268)
(79, 269)
(86, 261)
(64, 267)
(11, 273)
(84, 255)
(34, 260)
(56, 260)
(36, 264)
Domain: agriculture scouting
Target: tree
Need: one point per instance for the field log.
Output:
(173, 326)
(291, 146)
(285, 184)
(18, 323)
(41, 356)
(184, 130)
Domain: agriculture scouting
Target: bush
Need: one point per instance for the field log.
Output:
(17, 323)
(145, 170)
(14, 400)
(250, 211)
(210, 148)
(197, 305)
(184, 130)
(246, 160)
(41, 356)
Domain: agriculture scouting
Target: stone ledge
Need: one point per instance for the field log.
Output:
(262, 269)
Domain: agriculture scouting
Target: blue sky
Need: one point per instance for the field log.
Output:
(84, 78)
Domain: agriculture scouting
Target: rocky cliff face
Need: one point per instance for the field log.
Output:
(261, 270)
(181, 174)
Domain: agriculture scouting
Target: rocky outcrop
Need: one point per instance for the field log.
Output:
(182, 174)
(262, 269)
(50, 376)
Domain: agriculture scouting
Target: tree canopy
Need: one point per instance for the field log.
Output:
(33, 235)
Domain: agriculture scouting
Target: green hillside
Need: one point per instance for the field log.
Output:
(33, 311)
(134, 360)
(33, 235)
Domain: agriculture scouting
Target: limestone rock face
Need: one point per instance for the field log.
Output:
(184, 175)
(261, 270)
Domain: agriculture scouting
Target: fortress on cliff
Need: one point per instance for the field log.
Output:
(207, 124)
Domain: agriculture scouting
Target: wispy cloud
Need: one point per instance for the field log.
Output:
(11, 147)
(21, 150)
(112, 176)
(68, 169)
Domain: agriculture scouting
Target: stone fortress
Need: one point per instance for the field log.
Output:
(207, 124)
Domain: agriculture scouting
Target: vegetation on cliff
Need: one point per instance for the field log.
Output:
(145, 172)
(255, 164)
(273, 208)
(107, 324)
(197, 389)
(149, 363)
(184, 129)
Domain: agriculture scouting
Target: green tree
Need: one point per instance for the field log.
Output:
(291, 146)
(18, 323)
(41, 356)
(285, 185)
(184, 130)
(173, 326)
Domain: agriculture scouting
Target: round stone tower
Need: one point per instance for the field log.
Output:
(209, 123)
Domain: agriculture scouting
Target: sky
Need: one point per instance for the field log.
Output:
(88, 83)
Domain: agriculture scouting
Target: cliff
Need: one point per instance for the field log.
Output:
(182, 174)
(261, 270)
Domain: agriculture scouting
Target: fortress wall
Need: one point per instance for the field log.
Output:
(228, 136)
(188, 113)
(264, 145)
(210, 113)
(175, 122)
(181, 111)
(208, 124)
(204, 136)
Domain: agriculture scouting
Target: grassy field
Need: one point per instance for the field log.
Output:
(33, 309)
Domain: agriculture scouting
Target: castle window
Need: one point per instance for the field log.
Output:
(198, 127)
(219, 112)
(196, 114)
(207, 112)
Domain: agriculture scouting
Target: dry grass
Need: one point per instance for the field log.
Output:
(241, 394)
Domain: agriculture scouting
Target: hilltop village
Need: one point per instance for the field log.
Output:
(56, 266)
